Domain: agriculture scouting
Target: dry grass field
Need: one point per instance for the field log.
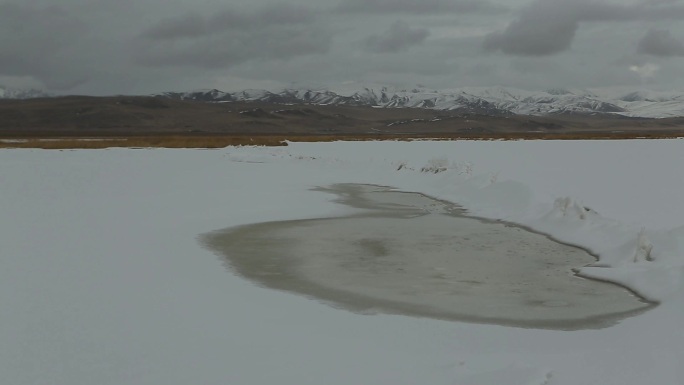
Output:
(101, 122)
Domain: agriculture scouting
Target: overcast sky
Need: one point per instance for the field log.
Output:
(145, 46)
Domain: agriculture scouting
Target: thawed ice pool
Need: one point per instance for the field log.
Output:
(407, 253)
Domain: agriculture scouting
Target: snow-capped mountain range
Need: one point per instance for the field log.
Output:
(16, 93)
(497, 101)
(493, 101)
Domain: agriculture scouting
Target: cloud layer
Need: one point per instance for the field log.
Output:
(38, 41)
(400, 36)
(145, 46)
(419, 7)
(548, 27)
(659, 42)
(227, 37)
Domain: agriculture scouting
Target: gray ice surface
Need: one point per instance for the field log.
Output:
(407, 253)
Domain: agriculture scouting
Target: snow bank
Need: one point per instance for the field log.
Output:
(651, 262)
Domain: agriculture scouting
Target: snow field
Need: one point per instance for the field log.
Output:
(102, 279)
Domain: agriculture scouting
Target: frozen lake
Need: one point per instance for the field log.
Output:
(407, 253)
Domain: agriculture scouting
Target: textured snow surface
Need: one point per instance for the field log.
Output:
(102, 280)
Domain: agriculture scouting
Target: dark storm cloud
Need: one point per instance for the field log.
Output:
(193, 25)
(188, 25)
(419, 7)
(658, 42)
(400, 36)
(228, 38)
(36, 41)
(548, 27)
(534, 34)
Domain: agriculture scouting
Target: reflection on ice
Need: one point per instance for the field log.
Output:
(410, 254)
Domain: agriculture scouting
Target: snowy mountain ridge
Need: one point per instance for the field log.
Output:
(495, 101)
(16, 93)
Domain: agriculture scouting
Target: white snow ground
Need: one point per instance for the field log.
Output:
(102, 280)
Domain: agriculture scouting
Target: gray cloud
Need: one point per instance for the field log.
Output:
(400, 36)
(548, 27)
(227, 38)
(186, 26)
(225, 51)
(419, 7)
(37, 41)
(659, 42)
(193, 25)
(534, 37)
(128, 46)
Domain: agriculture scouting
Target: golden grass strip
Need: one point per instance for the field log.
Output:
(220, 141)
